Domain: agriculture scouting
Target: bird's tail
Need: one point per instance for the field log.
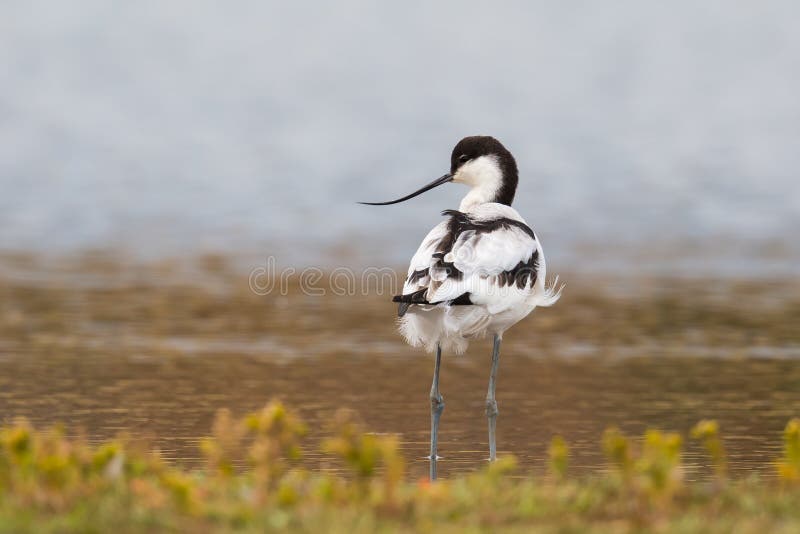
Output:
(551, 293)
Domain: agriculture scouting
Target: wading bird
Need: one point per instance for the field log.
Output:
(476, 273)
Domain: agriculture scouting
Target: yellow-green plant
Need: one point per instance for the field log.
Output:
(364, 454)
(224, 445)
(50, 482)
(558, 453)
(617, 449)
(654, 471)
(707, 431)
(789, 465)
(276, 434)
(659, 465)
(46, 468)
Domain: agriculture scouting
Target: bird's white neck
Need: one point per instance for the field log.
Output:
(476, 196)
(485, 178)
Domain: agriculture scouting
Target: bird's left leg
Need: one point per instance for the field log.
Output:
(437, 407)
(491, 403)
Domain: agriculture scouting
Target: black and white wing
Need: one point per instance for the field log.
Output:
(418, 278)
(488, 256)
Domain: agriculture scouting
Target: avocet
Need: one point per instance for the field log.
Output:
(477, 273)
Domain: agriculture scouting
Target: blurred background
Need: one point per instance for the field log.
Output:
(152, 154)
(671, 129)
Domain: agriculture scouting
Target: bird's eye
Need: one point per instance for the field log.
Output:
(463, 158)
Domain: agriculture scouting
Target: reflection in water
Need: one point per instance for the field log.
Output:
(156, 356)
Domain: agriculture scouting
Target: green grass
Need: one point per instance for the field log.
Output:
(51, 483)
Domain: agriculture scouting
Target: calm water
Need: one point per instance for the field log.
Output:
(659, 137)
(155, 352)
(172, 402)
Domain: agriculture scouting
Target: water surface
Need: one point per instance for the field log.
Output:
(154, 351)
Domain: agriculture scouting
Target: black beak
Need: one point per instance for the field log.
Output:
(437, 182)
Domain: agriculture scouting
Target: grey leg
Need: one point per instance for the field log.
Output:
(491, 403)
(437, 407)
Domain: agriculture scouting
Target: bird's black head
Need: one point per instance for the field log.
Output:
(479, 160)
(484, 164)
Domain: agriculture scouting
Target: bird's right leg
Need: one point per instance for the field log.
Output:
(491, 403)
(437, 407)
